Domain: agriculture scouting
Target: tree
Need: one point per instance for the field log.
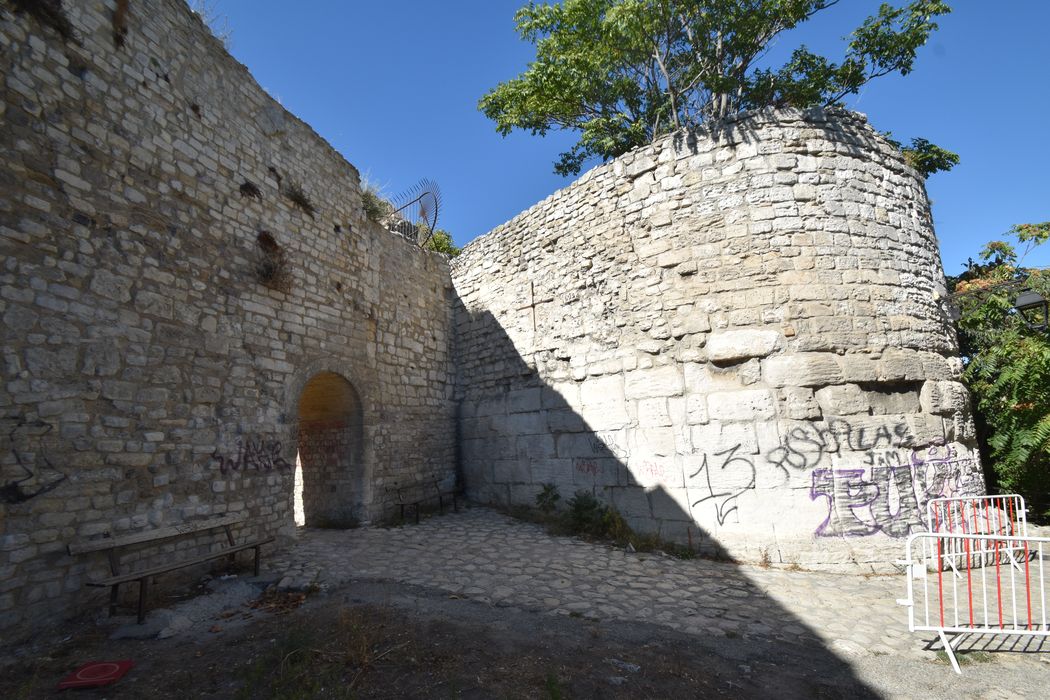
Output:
(623, 72)
(1008, 365)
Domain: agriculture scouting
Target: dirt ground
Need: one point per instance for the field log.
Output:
(376, 640)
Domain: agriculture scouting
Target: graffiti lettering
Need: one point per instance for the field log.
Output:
(605, 444)
(725, 497)
(253, 454)
(893, 499)
(587, 466)
(27, 446)
(805, 446)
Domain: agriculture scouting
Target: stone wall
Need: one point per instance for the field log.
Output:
(154, 346)
(734, 338)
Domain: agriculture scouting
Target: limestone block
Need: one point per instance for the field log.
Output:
(893, 401)
(653, 413)
(631, 501)
(670, 504)
(654, 382)
(900, 366)
(601, 391)
(590, 473)
(553, 471)
(651, 442)
(511, 471)
(800, 403)
(519, 424)
(858, 368)
(843, 400)
(721, 437)
(944, 398)
(802, 369)
(737, 345)
(565, 421)
(536, 447)
(106, 284)
(523, 400)
(696, 409)
(749, 404)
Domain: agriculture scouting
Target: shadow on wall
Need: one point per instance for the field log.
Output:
(511, 447)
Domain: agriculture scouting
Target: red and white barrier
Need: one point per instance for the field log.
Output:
(976, 572)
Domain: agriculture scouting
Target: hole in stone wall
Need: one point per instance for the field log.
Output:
(273, 268)
(329, 476)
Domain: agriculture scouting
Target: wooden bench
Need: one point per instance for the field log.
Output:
(110, 545)
(414, 495)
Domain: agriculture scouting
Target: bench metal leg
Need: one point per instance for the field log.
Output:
(256, 561)
(402, 512)
(113, 599)
(142, 599)
(417, 514)
(441, 504)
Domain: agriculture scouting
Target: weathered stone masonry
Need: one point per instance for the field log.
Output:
(733, 337)
(149, 375)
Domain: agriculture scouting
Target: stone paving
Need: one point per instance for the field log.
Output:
(489, 557)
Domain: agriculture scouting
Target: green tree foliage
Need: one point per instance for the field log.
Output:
(924, 156)
(623, 72)
(441, 241)
(1008, 364)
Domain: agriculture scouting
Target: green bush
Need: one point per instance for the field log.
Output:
(547, 499)
(1008, 367)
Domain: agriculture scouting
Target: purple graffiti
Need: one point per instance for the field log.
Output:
(892, 500)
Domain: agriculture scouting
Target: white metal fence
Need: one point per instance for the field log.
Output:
(976, 572)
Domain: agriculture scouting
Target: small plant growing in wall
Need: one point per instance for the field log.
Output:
(547, 499)
(49, 13)
(273, 269)
(250, 190)
(295, 194)
(376, 206)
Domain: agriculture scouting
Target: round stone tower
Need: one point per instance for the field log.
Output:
(735, 337)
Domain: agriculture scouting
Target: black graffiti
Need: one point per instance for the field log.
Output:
(606, 445)
(805, 446)
(258, 454)
(725, 498)
(14, 491)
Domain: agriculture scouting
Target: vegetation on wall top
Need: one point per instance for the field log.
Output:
(624, 72)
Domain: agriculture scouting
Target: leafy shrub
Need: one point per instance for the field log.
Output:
(547, 499)
(376, 207)
(1008, 366)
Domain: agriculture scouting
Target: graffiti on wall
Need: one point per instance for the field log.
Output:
(722, 484)
(806, 446)
(26, 442)
(890, 498)
(253, 454)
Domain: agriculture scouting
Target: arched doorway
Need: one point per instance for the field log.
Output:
(329, 473)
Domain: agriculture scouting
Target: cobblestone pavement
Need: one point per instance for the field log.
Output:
(489, 557)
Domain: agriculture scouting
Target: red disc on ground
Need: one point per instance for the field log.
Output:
(96, 673)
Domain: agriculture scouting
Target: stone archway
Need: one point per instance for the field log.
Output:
(329, 470)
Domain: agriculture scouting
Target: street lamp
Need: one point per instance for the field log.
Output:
(1033, 309)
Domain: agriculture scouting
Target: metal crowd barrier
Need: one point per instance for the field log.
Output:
(976, 572)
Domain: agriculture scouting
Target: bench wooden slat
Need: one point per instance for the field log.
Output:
(157, 534)
(182, 563)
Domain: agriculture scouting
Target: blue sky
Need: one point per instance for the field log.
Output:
(394, 87)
